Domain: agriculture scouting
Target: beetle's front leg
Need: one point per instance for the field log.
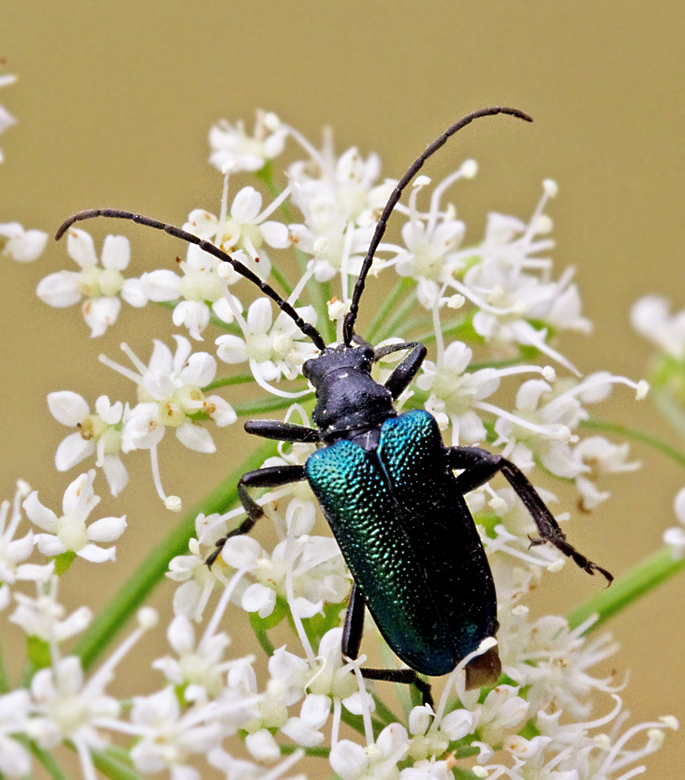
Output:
(401, 377)
(351, 642)
(275, 476)
(282, 431)
(480, 466)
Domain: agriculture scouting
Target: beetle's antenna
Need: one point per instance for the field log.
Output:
(414, 168)
(309, 330)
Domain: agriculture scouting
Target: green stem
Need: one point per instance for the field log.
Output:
(5, 684)
(317, 752)
(401, 287)
(43, 756)
(400, 313)
(670, 409)
(631, 433)
(238, 379)
(268, 404)
(152, 570)
(641, 579)
(112, 767)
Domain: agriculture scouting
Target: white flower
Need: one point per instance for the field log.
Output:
(651, 318)
(274, 349)
(198, 664)
(99, 433)
(19, 244)
(14, 552)
(45, 618)
(244, 231)
(454, 392)
(232, 146)
(70, 532)
(376, 762)
(198, 582)
(6, 119)
(170, 737)
(68, 707)
(99, 287)
(15, 760)
(675, 537)
(171, 396)
(200, 289)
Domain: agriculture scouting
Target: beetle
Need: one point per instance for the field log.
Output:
(386, 484)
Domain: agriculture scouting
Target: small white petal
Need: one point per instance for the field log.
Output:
(246, 205)
(96, 554)
(160, 285)
(59, 289)
(115, 473)
(275, 234)
(231, 349)
(72, 450)
(42, 516)
(258, 598)
(132, 293)
(107, 529)
(116, 252)
(80, 248)
(195, 438)
(67, 407)
(348, 759)
(240, 551)
(50, 545)
(100, 313)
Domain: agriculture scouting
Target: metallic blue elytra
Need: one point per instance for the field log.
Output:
(409, 540)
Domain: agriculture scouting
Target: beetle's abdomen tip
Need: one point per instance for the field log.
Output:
(484, 670)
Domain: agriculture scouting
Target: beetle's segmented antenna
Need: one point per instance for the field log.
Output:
(414, 168)
(309, 330)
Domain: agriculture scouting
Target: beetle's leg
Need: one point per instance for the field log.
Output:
(282, 431)
(480, 466)
(275, 476)
(354, 624)
(400, 378)
(351, 641)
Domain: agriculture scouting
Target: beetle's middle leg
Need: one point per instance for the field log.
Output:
(351, 641)
(275, 476)
(480, 466)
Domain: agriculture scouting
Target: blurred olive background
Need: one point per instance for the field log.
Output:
(114, 103)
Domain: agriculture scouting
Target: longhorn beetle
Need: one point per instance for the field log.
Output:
(386, 484)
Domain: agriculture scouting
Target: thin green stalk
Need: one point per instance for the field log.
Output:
(670, 409)
(631, 433)
(43, 756)
(384, 712)
(389, 328)
(316, 752)
(5, 684)
(268, 404)
(112, 767)
(152, 570)
(637, 582)
(453, 329)
(238, 379)
(402, 286)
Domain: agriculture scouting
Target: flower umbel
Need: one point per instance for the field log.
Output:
(492, 312)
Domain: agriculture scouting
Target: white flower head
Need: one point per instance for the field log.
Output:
(69, 532)
(19, 244)
(98, 288)
(99, 433)
(232, 146)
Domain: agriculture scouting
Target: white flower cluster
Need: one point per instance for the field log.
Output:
(549, 718)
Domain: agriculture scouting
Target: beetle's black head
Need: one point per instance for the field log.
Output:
(358, 359)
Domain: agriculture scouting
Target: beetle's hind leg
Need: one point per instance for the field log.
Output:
(351, 642)
(480, 466)
(275, 476)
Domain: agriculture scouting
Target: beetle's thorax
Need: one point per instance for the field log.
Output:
(349, 403)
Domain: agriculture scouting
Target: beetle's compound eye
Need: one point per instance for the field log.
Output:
(307, 367)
